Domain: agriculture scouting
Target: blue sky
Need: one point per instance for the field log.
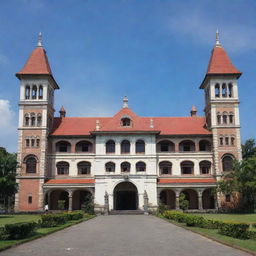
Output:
(154, 51)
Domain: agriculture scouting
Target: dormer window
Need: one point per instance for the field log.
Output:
(126, 121)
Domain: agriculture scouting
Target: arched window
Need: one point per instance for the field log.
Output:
(33, 119)
(224, 90)
(84, 168)
(217, 90)
(140, 167)
(110, 167)
(227, 163)
(40, 93)
(227, 141)
(26, 120)
(27, 92)
(225, 118)
(221, 141)
(140, 146)
(126, 121)
(231, 118)
(39, 120)
(125, 167)
(38, 143)
(32, 142)
(62, 168)
(31, 164)
(187, 167)
(218, 118)
(232, 141)
(34, 92)
(165, 168)
(205, 167)
(165, 146)
(125, 147)
(27, 143)
(204, 145)
(230, 90)
(63, 146)
(110, 147)
(84, 146)
(187, 145)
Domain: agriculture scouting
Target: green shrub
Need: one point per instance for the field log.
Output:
(162, 208)
(184, 203)
(195, 221)
(20, 230)
(77, 215)
(251, 234)
(175, 215)
(234, 229)
(53, 220)
(3, 234)
(88, 205)
(253, 225)
(212, 224)
(61, 204)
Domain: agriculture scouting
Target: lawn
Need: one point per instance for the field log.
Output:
(6, 219)
(9, 219)
(247, 218)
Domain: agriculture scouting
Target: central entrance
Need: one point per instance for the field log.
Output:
(125, 196)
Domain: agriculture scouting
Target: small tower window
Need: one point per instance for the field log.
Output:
(30, 199)
(40, 94)
(31, 164)
(27, 92)
(33, 120)
(232, 141)
(231, 118)
(26, 120)
(221, 141)
(34, 92)
(230, 90)
(32, 143)
(227, 140)
(224, 90)
(27, 142)
(39, 120)
(38, 143)
(217, 90)
(126, 122)
(218, 118)
(227, 163)
(225, 119)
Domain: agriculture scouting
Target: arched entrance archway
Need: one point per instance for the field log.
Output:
(168, 198)
(208, 199)
(125, 196)
(192, 197)
(80, 197)
(59, 200)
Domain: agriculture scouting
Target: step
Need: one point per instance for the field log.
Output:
(126, 212)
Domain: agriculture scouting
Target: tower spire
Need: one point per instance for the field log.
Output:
(40, 42)
(125, 102)
(217, 43)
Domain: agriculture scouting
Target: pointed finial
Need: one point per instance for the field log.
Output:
(97, 125)
(217, 43)
(62, 112)
(125, 102)
(40, 42)
(151, 123)
(193, 111)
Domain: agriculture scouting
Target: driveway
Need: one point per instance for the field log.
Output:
(123, 235)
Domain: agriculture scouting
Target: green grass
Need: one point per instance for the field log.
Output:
(247, 218)
(10, 219)
(39, 232)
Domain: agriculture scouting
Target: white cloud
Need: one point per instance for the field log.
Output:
(200, 28)
(8, 138)
(3, 60)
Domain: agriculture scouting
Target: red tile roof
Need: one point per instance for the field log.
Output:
(220, 63)
(70, 181)
(162, 125)
(182, 180)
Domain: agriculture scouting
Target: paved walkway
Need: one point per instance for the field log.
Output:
(123, 235)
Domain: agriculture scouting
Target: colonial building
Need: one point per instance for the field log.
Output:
(125, 162)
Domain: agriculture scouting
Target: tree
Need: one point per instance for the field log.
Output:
(243, 180)
(249, 149)
(183, 202)
(8, 165)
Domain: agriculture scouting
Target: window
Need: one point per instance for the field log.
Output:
(227, 140)
(26, 120)
(39, 120)
(125, 147)
(63, 146)
(225, 119)
(27, 92)
(84, 146)
(165, 168)
(27, 142)
(31, 164)
(187, 145)
(231, 118)
(140, 167)
(110, 167)
(228, 198)
(33, 119)
(32, 143)
(232, 141)
(125, 167)
(38, 143)
(110, 146)
(221, 141)
(218, 118)
(230, 90)
(187, 167)
(217, 90)
(224, 90)
(34, 92)
(205, 167)
(30, 199)
(204, 145)
(62, 168)
(40, 94)
(126, 121)
(84, 168)
(165, 146)
(140, 146)
(227, 163)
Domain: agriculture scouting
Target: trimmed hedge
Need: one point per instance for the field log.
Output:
(252, 234)
(19, 230)
(74, 215)
(53, 220)
(175, 215)
(234, 229)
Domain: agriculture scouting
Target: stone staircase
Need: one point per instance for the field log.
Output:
(126, 212)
